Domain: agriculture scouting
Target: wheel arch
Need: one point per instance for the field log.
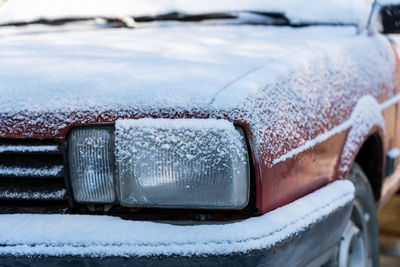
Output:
(370, 157)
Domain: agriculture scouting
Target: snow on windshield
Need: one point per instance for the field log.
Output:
(306, 11)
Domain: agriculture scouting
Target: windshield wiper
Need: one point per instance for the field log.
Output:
(111, 22)
(177, 16)
(131, 22)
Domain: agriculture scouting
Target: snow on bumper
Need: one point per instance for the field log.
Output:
(80, 235)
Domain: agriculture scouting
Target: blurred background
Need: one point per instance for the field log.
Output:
(389, 224)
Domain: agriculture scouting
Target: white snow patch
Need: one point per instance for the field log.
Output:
(390, 102)
(364, 117)
(388, 2)
(210, 140)
(23, 148)
(29, 195)
(28, 171)
(393, 153)
(366, 114)
(313, 142)
(176, 124)
(28, 234)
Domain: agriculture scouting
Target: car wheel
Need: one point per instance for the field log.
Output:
(359, 245)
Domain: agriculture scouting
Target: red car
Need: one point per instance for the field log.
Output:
(197, 133)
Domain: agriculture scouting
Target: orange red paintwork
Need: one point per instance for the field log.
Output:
(277, 185)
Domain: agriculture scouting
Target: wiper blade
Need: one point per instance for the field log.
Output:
(110, 22)
(269, 17)
(276, 18)
(177, 16)
(130, 22)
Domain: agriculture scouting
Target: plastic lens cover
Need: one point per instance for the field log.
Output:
(182, 163)
(90, 154)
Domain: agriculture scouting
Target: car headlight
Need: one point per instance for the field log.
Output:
(91, 164)
(180, 163)
(183, 163)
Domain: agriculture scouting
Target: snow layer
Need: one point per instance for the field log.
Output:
(333, 11)
(388, 2)
(366, 115)
(291, 85)
(109, 236)
(35, 172)
(174, 160)
(309, 92)
(29, 149)
(212, 143)
(177, 124)
(59, 194)
(393, 153)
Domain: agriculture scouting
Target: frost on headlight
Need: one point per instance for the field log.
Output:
(91, 165)
(196, 163)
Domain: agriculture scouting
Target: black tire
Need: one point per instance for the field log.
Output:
(363, 216)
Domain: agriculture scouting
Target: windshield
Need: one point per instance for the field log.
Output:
(295, 11)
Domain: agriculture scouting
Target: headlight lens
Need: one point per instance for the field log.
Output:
(183, 163)
(90, 154)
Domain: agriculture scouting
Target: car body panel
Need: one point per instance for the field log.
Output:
(292, 89)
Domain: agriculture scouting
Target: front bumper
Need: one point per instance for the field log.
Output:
(292, 235)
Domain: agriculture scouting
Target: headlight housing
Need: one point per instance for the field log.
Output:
(180, 163)
(91, 164)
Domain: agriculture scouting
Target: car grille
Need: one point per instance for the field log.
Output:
(32, 173)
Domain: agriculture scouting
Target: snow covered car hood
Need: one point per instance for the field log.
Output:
(175, 67)
(288, 84)
(51, 80)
